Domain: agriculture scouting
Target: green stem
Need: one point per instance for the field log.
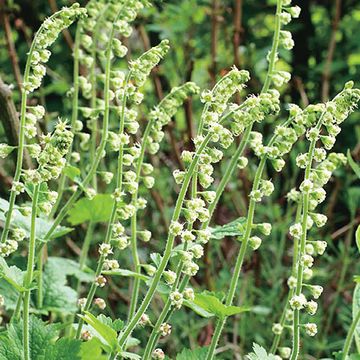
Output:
(133, 238)
(300, 266)
(86, 245)
(349, 337)
(21, 146)
(40, 279)
(118, 183)
(239, 261)
(16, 315)
(165, 313)
(29, 274)
(277, 338)
(104, 136)
(74, 116)
(241, 255)
(169, 245)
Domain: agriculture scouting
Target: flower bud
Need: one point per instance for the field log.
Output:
(100, 303)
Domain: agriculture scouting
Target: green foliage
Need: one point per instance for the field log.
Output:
(58, 296)
(94, 210)
(260, 354)
(207, 305)
(196, 354)
(43, 342)
(23, 222)
(234, 228)
(112, 157)
(106, 332)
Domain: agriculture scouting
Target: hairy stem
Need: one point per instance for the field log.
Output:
(74, 116)
(133, 238)
(350, 336)
(277, 337)
(169, 245)
(29, 274)
(300, 266)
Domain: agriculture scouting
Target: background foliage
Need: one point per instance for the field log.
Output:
(207, 37)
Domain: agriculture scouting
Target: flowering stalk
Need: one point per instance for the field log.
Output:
(74, 114)
(98, 158)
(34, 72)
(283, 135)
(169, 245)
(253, 109)
(175, 229)
(105, 126)
(29, 274)
(51, 163)
(124, 179)
(277, 327)
(350, 335)
(165, 110)
(312, 193)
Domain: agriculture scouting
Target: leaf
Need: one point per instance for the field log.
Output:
(198, 309)
(156, 258)
(57, 295)
(105, 331)
(131, 356)
(212, 305)
(233, 228)
(23, 222)
(64, 349)
(356, 309)
(41, 337)
(29, 188)
(12, 274)
(95, 210)
(72, 173)
(353, 164)
(126, 273)
(357, 237)
(117, 324)
(71, 267)
(259, 354)
(92, 350)
(196, 354)
(353, 200)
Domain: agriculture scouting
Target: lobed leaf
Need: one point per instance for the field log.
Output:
(97, 209)
(208, 305)
(105, 331)
(232, 228)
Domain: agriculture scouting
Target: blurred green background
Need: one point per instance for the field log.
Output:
(207, 37)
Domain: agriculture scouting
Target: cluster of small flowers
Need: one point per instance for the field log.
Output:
(11, 244)
(329, 115)
(286, 137)
(51, 162)
(285, 15)
(48, 33)
(195, 209)
(141, 68)
(101, 19)
(159, 118)
(158, 354)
